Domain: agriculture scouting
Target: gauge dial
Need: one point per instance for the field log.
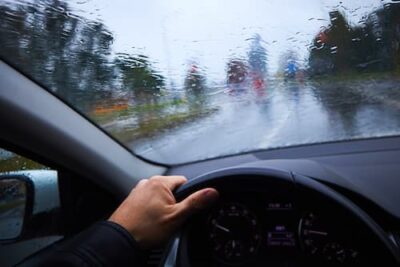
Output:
(234, 233)
(323, 242)
(334, 252)
(312, 234)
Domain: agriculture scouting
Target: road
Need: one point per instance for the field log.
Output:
(290, 113)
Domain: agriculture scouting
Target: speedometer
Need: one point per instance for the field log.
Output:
(234, 233)
(312, 234)
(323, 241)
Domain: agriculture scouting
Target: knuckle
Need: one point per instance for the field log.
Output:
(154, 182)
(155, 177)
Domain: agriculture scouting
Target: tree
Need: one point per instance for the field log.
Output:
(68, 54)
(385, 26)
(332, 48)
(195, 81)
(257, 57)
(138, 77)
(195, 86)
(372, 46)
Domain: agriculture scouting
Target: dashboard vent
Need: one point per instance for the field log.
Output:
(154, 257)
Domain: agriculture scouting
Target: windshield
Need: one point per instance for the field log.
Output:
(179, 81)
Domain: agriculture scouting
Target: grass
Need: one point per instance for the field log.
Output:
(157, 125)
(151, 107)
(18, 163)
(157, 121)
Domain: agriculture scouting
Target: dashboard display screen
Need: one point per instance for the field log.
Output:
(279, 206)
(279, 236)
(279, 227)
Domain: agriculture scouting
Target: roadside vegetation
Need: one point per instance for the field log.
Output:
(347, 51)
(18, 163)
(158, 125)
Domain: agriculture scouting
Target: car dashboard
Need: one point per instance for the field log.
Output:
(275, 227)
(273, 224)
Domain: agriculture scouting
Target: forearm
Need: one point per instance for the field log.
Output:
(103, 244)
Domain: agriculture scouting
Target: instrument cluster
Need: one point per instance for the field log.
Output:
(248, 231)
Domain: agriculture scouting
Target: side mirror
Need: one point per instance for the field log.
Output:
(28, 200)
(15, 191)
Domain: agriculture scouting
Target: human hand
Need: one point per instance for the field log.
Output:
(150, 212)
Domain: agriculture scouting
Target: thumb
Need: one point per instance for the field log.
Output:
(196, 201)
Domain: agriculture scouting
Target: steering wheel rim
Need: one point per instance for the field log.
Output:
(234, 174)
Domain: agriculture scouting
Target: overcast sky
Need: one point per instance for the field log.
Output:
(174, 32)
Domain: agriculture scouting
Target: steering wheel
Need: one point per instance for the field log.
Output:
(268, 180)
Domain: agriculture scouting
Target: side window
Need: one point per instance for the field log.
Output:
(29, 202)
(11, 162)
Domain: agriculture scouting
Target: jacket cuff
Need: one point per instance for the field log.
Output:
(106, 244)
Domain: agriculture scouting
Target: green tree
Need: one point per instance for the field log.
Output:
(332, 48)
(195, 86)
(195, 81)
(138, 77)
(385, 26)
(66, 53)
(371, 46)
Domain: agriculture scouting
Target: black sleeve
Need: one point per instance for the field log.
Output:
(103, 244)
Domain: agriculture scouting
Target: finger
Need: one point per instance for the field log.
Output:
(196, 201)
(172, 182)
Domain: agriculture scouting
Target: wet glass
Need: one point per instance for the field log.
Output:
(12, 207)
(181, 81)
(11, 162)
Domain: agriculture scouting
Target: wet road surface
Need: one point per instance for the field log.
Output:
(289, 113)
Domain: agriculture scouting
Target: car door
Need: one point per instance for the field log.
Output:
(28, 195)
